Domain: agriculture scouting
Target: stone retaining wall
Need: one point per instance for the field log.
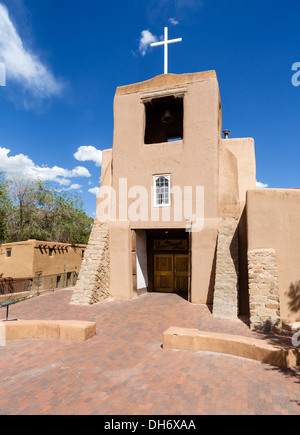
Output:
(94, 278)
(264, 290)
(227, 266)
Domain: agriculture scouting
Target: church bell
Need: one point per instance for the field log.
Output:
(168, 118)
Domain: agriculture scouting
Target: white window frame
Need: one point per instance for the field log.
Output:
(155, 178)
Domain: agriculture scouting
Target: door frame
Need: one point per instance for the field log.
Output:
(166, 234)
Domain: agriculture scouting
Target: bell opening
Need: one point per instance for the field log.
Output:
(164, 120)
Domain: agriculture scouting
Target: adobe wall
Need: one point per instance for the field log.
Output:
(192, 161)
(243, 149)
(203, 268)
(225, 169)
(62, 261)
(28, 259)
(93, 283)
(237, 174)
(273, 221)
(20, 264)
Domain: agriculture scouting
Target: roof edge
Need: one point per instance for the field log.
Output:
(165, 81)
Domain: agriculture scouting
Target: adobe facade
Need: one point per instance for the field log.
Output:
(177, 208)
(48, 265)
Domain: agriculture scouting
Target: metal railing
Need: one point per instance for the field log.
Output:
(15, 285)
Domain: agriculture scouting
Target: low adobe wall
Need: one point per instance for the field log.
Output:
(250, 348)
(60, 329)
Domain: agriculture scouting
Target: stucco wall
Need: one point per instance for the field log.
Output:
(28, 259)
(20, 264)
(104, 196)
(273, 221)
(244, 151)
(192, 161)
(225, 170)
(121, 261)
(237, 176)
(70, 256)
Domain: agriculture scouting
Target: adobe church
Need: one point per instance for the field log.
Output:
(178, 210)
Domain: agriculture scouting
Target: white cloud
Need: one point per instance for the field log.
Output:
(260, 185)
(22, 166)
(89, 153)
(21, 65)
(173, 21)
(72, 187)
(162, 10)
(146, 39)
(75, 187)
(79, 171)
(95, 190)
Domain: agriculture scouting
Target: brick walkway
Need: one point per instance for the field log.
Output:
(124, 370)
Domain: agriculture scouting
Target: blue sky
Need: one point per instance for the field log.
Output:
(64, 60)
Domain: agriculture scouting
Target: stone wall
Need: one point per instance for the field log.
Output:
(94, 278)
(227, 266)
(264, 290)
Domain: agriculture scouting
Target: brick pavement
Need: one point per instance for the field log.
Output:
(124, 370)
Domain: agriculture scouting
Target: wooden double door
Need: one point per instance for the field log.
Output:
(171, 273)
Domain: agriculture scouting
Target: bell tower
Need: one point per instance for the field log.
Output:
(167, 185)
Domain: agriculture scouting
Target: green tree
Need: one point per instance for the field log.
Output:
(37, 211)
(68, 219)
(6, 208)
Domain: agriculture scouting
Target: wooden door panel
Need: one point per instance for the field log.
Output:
(181, 263)
(171, 273)
(181, 283)
(163, 273)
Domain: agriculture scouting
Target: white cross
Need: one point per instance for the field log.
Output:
(166, 43)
